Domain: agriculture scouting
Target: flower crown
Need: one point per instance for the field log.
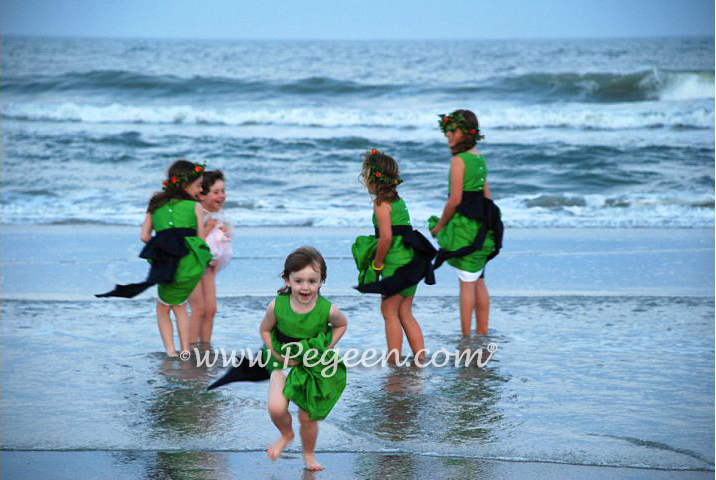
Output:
(375, 175)
(178, 180)
(450, 123)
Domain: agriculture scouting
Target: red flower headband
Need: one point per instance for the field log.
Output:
(178, 180)
(450, 123)
(376, 175)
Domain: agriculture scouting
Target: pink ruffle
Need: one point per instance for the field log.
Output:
(220, 244)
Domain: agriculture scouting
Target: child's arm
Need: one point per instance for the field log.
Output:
(267, 325)
(339, 322)
(382, 214)
(457, 173)
(146, 232)
(486, 189)
(200, 231)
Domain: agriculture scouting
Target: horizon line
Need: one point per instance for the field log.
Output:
(345, 39)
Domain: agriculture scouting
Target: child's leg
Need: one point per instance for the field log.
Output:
(411, 327)
(482, 306)
(467, 306)
(393, 331)
(309, 433)
(164, 320)
(196, 302)
(208, 286)
(278, 410)
(182, 317)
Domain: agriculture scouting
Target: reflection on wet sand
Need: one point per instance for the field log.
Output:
(395, 413)
(471, 395)
(427, 406)
(180, 408)
(172, 465)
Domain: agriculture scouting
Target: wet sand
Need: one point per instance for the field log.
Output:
(578, 384)
(128, 465)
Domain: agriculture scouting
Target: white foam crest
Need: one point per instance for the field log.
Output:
(579, 116)
(637, 211)
(686, 86)
(187, 114)
(600, 117)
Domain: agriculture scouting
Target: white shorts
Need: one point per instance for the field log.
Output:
(170, 304)
(468, 276)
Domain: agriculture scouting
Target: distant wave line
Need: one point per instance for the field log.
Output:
(636, 86)
(509, 118)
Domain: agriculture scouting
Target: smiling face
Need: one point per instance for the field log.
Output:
(193, 188)
(304, 285)
(214, 200)
(454, 137)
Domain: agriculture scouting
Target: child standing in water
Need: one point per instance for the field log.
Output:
(218, 236)
(395, 259)
(469, 230)
(177, 252)
(300, 314)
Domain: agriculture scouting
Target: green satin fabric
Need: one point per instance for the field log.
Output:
(398, 254)
(307, 387)
(180, 214)
(460, 231)
(473, 179)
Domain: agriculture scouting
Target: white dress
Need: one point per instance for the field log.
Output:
(219, 239)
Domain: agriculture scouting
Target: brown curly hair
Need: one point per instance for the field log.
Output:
(468, 140)
(209, 179)
(180, 168)
(386, 166)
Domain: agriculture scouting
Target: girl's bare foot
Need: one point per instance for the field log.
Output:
(311, 463)
(275, 449)
(172, 354)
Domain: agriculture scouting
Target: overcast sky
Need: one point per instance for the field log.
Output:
(360, 19)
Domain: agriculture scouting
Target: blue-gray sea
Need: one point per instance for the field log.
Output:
(580, 133)
(600, 154)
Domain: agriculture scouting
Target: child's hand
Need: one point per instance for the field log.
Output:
(434, 225)
(377, 269)
(223, 228)
(282, 360)
(210, 226)
(291, 363)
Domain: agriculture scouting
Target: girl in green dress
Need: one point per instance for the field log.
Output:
(395, 259)
(299, 330)
(469, 231)
(177, 252)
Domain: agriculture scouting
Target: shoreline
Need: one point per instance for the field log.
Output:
(72, 262)
(131, 464)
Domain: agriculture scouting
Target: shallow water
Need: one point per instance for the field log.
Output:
(581, 380)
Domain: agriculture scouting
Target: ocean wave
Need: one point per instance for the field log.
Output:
(525, 211)
(601, 87)
(580, 116)
(654, 84)
(121, 82)
(125, 139)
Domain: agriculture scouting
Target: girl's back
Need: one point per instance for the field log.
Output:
(398, 214)
(475, 172)
(176, 213)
